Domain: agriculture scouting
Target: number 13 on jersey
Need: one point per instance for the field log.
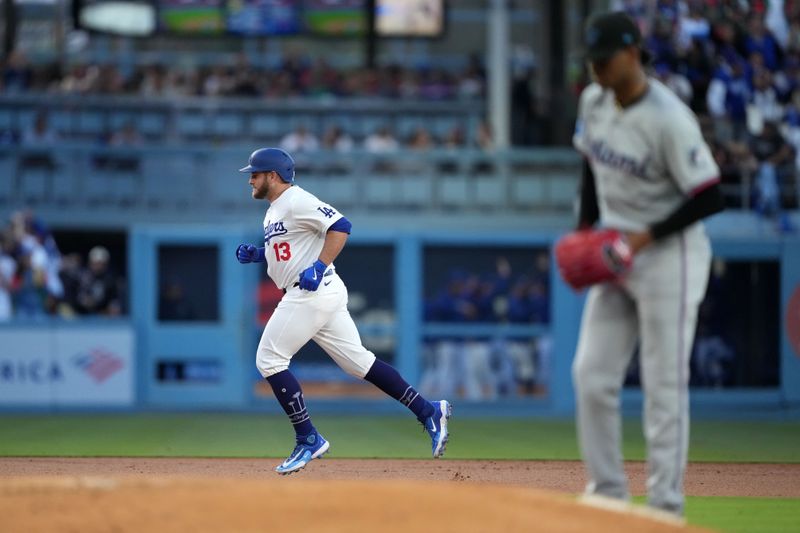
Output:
(283, 251)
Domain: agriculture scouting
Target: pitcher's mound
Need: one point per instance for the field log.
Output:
(155, 505)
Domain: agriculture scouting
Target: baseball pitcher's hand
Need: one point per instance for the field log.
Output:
(310, 277)
(247, 253)
(587, 257)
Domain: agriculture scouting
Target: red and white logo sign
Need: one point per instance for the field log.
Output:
(99, 363)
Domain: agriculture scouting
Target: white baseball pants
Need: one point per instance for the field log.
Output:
(321, 316)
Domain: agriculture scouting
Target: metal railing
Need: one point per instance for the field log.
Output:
(188, 184)
(232, 119)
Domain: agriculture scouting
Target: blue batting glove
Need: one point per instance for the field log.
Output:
(247, 253)
(310, 277)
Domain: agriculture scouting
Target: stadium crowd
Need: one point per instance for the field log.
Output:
(737, 65)
(37, 281)
(302, 142)
(294, 76)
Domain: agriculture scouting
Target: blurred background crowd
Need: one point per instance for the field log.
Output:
(737, 65)
(514, 291)
(303, 138)
(295, 76)
(500, 295)
(36, 281)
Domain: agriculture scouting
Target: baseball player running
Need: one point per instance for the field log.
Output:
(302, 237)
(649, 178)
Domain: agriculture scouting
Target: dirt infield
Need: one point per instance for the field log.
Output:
(175, 494)
(702, 479)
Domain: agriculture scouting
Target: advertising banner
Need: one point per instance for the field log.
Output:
(67, 366)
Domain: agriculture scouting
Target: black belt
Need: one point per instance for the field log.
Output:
(297, 283)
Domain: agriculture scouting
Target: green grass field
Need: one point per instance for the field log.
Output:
(743, 515)
(254, 435)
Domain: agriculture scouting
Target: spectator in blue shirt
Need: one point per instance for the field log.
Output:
(759, 39)
(661, 44)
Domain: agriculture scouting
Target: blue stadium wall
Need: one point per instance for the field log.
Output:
(55, 365)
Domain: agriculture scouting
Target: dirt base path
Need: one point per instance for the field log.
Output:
(702, 479)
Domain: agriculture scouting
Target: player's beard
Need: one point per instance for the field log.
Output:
(259, 193)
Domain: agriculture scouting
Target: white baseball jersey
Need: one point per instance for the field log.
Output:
(646, 158)
(294, 234)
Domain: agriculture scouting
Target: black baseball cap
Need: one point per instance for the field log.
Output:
(611, 31)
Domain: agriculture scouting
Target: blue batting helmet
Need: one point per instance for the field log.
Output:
(271, 159)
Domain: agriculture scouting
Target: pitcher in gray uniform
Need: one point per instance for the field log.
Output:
(648, 173)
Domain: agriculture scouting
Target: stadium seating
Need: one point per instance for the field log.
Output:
(130, 184)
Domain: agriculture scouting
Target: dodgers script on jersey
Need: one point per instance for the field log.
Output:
(294, 234)
(646, 158)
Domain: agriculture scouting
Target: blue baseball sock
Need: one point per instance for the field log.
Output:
(389, 380)
(289, 394)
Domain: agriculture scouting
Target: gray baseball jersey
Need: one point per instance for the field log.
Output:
(646, 159)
